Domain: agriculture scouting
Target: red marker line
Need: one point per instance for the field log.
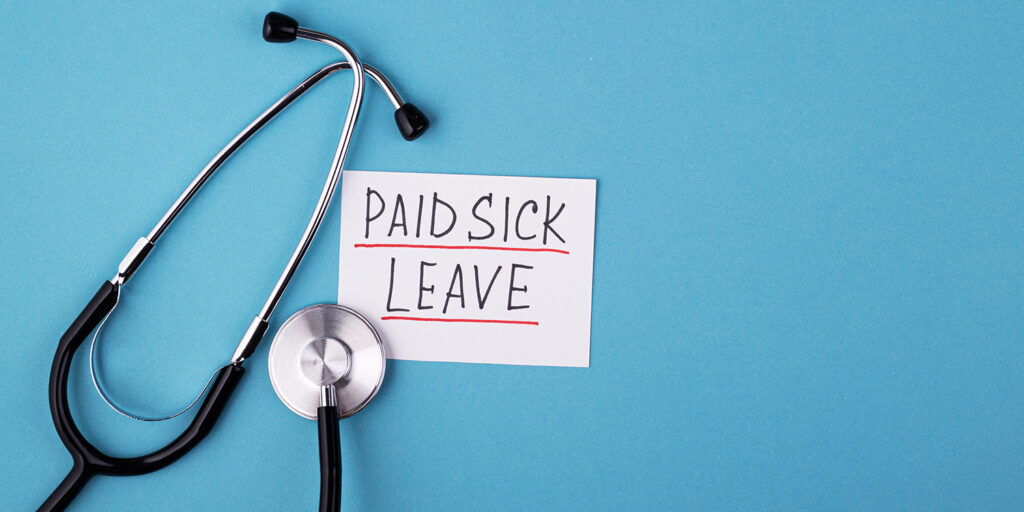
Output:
(484, 247)
(472, 320)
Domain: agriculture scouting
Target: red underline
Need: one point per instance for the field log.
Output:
(472, 320)
(484, 247)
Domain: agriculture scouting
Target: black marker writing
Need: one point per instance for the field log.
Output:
(482, 299)
(548, 219)
(512, 286)
(505, 237)
(369, 192)
(433, 217)
(391, 288)
(487, 198)
(520, 215)
(419, 303)
(457, 275)
(399, 208)
(419, 216)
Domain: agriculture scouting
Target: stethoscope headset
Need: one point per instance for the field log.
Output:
(326, 361)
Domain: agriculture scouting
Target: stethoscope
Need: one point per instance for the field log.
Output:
(327, 362)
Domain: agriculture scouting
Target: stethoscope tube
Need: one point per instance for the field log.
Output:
(87, 459)
(330, 450)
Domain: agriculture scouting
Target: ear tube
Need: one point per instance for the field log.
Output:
(411, 122)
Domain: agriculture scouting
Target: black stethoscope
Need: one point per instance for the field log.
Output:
(326, 362)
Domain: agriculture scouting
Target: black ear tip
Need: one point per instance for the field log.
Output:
(411, 122)
(278, 28)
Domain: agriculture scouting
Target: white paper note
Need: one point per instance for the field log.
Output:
(466, 268)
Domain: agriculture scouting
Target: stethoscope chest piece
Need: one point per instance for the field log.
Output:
(326, 346)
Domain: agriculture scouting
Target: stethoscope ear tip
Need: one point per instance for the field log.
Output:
(411, 121)
(278, 28)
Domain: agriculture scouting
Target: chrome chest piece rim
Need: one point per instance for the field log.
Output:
(325, 345)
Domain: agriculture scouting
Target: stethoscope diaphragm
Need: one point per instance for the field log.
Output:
(326, 345)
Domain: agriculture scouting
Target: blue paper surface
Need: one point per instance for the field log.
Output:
(807, 291)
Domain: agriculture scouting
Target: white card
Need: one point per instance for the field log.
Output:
(475, 269)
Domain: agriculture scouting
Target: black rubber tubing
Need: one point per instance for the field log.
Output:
(88, 460)
(330, 458)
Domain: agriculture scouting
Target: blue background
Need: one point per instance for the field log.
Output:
(807, 289)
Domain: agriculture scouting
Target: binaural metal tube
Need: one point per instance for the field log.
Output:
(382, 81)
(142, 247)
(355, 103)
(411, 123)
(258, 327)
